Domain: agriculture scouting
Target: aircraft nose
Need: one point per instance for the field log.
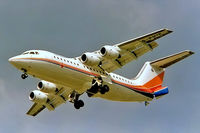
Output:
(12, 59)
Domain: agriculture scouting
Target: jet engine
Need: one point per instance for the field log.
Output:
(90, 59)
(110, 52)
(48, 87)
(38, 96)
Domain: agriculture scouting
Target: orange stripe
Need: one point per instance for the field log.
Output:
(145, 88)
(64, 65)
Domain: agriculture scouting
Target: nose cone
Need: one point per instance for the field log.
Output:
(12, 60)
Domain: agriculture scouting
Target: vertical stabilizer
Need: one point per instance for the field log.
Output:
(151, 75)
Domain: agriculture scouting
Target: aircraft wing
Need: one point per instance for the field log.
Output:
(132, 49)
(35, 109)
(54, 100)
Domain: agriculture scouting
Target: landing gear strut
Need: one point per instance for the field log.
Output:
(74, 98)
(97, 87)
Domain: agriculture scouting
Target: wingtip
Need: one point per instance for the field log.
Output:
(168, 30)
(191, 52)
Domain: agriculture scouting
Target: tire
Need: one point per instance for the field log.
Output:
(76, 105)
(89, 94)
(106, 88)
(94, 89)
(24, 76)
(102, 90)
(81, 103)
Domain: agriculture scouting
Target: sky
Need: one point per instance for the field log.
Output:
(72, 27)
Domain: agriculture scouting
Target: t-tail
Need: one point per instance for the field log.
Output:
(150, 77)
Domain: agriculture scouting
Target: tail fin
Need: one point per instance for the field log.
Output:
(152, 73)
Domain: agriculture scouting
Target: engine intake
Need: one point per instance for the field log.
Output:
(110, 52)
(90, 59)
(38, 96)
(48, 87)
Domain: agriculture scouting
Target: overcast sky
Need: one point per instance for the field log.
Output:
(72, 27)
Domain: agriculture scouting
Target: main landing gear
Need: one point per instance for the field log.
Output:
(74, 98)
(24, 75)
(97, 86)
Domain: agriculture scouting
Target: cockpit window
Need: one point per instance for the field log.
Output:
(32, 52)
(26, 53)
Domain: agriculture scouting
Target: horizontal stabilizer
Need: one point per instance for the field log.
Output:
(172, 59)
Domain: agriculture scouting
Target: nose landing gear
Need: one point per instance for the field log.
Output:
(24, 75)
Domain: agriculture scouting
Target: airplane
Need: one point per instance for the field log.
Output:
(66, 79)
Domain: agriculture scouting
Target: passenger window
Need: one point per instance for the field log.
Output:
(32, 53)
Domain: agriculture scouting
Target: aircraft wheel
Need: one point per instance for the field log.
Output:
(106, 88)
(89, 94)
(78, 104)
(24, 76)
(81, 103)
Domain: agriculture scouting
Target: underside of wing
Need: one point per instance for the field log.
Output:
(132, 49)
(35, 109)
(47, 100)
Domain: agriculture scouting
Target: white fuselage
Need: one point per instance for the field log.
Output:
(73, 74)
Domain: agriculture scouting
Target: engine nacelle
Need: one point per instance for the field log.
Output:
(38, 96)
(90, 59)
(48, 87)
(110, 52)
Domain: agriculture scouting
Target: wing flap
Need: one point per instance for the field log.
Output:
(172, 59)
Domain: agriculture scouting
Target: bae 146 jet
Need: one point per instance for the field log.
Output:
(66, 79)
